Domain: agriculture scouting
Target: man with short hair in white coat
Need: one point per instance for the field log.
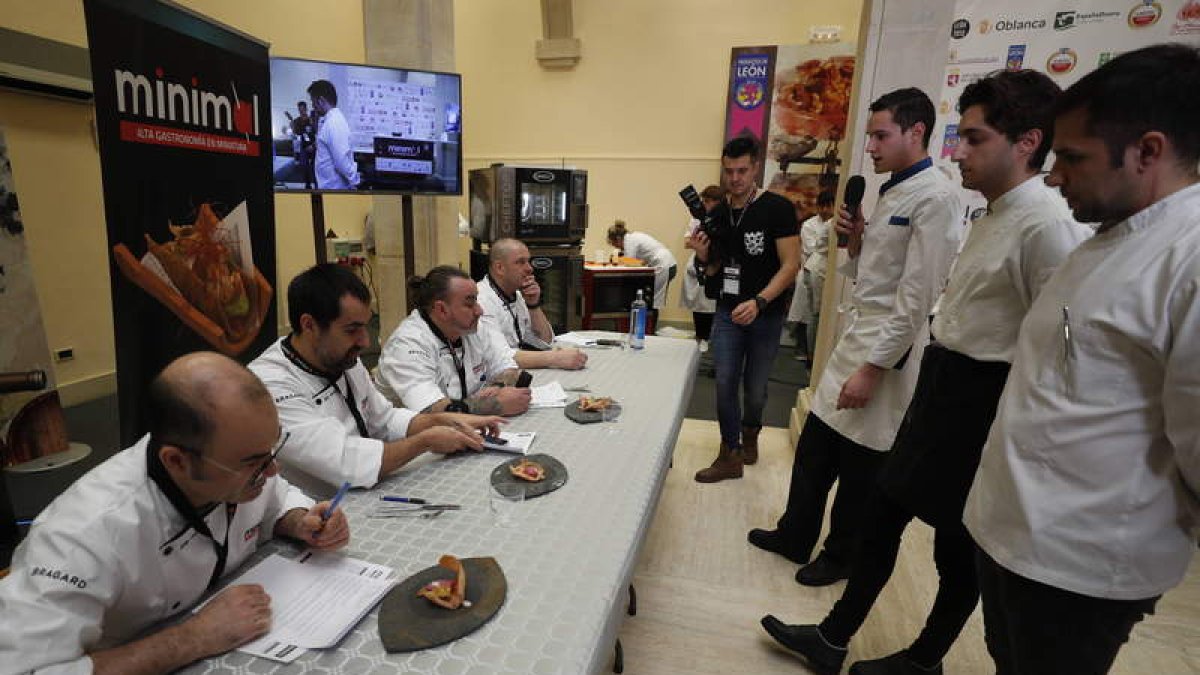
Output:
(511, 297)
(1084, 507)
(900, 265)
(342, 428)
(140, 538)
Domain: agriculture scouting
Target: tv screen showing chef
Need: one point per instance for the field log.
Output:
(341, 127)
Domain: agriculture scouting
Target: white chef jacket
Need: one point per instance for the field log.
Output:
(1089, 477)
(416, 367)
(810, 278)
(906, 253)
(111, 557)
(506, 317)
(644, 247)
(325, 441)
(335, 168)
(1008, 256)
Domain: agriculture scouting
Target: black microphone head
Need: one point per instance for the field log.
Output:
(855, 187)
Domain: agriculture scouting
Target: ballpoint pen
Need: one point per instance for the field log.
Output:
(333, 504)
(402, 500)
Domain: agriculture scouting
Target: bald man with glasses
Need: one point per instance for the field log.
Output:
(140, 538)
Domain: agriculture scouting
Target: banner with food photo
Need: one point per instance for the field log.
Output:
(795, 101)
(183, 120)
(810, 106)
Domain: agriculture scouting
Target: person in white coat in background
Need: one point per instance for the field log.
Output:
(810, 280)
(1085, 504)
(899, 263)
(141, 538)
(691, 295)
(649, 250)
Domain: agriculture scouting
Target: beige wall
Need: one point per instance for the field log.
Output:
(57, 171)
(643, 111)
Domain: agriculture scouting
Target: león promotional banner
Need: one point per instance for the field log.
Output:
(183, 118)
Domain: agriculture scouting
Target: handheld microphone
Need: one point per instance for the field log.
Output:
(853, 196)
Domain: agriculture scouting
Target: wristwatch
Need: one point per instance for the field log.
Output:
(761, 302)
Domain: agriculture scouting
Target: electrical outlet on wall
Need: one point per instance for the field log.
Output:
(824, 34)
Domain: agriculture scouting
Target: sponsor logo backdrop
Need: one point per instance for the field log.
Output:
(1065, 40)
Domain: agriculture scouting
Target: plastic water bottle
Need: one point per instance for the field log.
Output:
(637, 322)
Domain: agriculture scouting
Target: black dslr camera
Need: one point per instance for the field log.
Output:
(708, 226)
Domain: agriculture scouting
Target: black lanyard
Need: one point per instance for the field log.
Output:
(195, 519)
(292, 355)
(458, 363)
(508, 305)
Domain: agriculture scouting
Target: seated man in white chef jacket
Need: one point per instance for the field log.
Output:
(342, 428)
(438, 360)
(140, 538)
(511, 299)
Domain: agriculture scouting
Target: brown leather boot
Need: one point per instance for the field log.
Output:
(728, 464)
(750, 445)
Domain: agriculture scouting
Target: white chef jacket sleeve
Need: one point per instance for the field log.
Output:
(320, 445)
(341, 154)
(1042, 251)
(500, 356)
(384, 421)
(937, 230)
(281, 498)
(406, 367)
(490, 321)
(52, 605)
(1181, 393)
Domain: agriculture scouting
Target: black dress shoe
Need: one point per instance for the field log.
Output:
(806, 641)
(893, 664)
(822, 572)
(776, 542)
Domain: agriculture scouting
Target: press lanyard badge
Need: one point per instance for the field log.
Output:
(732, 280)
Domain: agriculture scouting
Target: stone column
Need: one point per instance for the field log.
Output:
(409, 34)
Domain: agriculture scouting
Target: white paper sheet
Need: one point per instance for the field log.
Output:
(550, 395)
(314, 604)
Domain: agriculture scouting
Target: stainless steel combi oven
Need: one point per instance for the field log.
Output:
(535, 205)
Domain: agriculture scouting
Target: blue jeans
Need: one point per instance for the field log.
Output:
(743, 355)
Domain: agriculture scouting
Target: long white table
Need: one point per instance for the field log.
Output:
(568, 562)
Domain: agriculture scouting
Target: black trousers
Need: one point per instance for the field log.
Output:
(1035, 629)
(957, 594)
(703, 322)
(822, 457)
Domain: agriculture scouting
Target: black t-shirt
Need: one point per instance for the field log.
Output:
(747, 237)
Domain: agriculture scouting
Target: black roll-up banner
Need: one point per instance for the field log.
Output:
(183, 119)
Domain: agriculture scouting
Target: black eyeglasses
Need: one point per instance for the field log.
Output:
(284, 435)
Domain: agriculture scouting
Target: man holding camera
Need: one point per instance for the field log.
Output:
(747, 253)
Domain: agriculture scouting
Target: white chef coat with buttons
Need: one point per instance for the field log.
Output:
(510, 318)
(1089, 477)
(111, 557)
(325, 440)
(1009, 254)
(907, 249)
(417, 368)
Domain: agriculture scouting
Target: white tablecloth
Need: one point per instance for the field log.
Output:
(570, 559)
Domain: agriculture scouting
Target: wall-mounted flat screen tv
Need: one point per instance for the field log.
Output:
(341, 127)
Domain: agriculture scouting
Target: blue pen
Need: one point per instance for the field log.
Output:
(402, 500)
(337, 499)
